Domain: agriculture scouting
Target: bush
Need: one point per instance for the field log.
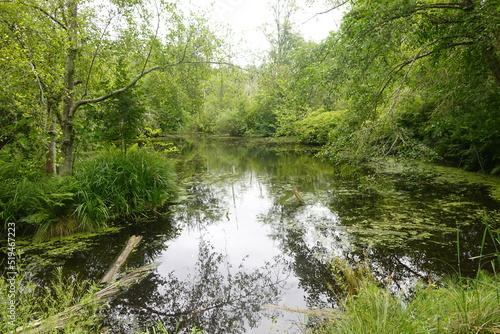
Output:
(315, 128)
(231, 122)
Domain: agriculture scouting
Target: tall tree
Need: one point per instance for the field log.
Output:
(86, 35)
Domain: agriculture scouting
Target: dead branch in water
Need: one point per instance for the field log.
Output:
(298, 195)
(101, 298)
(326, 313)
(120, 260)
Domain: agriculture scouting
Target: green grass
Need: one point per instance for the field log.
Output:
(33, 302)
(459, 305)
(470, 306)
(107, 185)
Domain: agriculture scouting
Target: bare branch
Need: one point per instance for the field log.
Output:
(121, 90)
(94, 56)
(140, 76)
(326, 11)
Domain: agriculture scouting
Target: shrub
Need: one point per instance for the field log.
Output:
(231, 122)
(315, 128)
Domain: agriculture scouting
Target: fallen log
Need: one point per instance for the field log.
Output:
(99, 299)
(298, 195)
(325, 313)
(120, 260)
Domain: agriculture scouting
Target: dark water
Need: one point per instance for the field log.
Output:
(238, 238)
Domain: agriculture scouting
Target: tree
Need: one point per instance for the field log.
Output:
(439, 60)
(87, 35)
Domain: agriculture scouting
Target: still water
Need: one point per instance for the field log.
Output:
(238, 239)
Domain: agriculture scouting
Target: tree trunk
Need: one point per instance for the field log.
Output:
(68, 139)
(68, 134)
(50, 156)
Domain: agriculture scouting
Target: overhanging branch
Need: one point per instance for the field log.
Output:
(418, 55)
(47, 14)
(326, 11)
(120, 90)
(139, 77)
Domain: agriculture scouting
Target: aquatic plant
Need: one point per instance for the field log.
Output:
(453, 308)
(456, 305)
(161, 329)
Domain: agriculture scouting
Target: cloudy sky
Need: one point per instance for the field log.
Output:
(247, 18)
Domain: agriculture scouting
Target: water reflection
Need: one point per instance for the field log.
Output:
(405, 223)
(239, 239)
(215, 296)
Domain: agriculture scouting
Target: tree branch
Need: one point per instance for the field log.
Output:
(120, 90)
(139, 77)
(464, 5)
(94, 56)
(327, 11)
(47, 14)
(417, 56)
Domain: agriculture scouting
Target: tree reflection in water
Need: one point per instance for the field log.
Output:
(215, 297)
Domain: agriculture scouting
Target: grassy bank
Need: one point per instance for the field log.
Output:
(454, 305)
(104, 186)
(458, 306)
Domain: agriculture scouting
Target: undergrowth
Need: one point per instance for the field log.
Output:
(34, 302)
(107, 185)
(456, 305)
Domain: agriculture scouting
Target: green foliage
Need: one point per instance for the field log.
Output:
(418, 79)
(456, 307)
(114, 184)
(459, 305)
(105, 186)
(34, 302)
(123, 114)
(160, 329)
(315, 128)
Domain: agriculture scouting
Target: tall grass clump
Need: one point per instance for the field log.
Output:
(114, 184)
(107, 185)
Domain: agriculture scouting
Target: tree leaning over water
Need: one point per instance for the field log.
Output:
(415, 74)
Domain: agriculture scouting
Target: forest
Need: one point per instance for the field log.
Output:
(90, 88)
(414, 78)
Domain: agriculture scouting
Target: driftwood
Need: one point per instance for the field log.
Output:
(325, 313)
(120, 260)
(298, 195)
(104, 296)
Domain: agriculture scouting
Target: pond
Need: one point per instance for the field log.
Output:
(238, 252)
